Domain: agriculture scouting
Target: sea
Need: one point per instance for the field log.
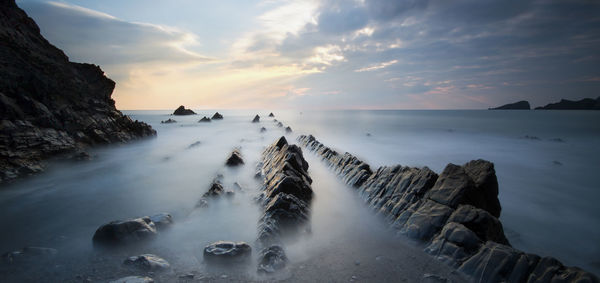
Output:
(547, 164)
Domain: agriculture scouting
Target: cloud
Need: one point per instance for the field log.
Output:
(88, 35)
(377, 66)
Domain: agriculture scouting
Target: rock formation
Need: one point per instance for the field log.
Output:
(227, 252)
(286, 197)
(455, 214)
(217, 116)
(147, 262)
(564, 104)
(256, 119)
(271, 114)
(521, 105)
(49, 105)
(288, 129)
(121, 232)
(181, 110)
(234, 159)
(168, 121)
(204, 119)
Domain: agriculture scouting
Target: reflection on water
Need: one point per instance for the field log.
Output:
(545, 203)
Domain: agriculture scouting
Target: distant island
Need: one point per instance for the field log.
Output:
(563, 104)
(521, 105)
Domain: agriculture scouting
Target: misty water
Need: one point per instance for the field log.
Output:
(546, 163)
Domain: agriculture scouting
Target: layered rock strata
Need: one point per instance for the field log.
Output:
(455, 214)
(286, 197)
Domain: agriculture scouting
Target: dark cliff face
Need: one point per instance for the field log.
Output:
(564, 104)
(521, 105)
(49, 105)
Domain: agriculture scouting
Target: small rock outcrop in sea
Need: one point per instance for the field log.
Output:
(216, 189)
(204, 119)
(234, 159)
(126, 231)
(286, 199)
(279, 124)
(181, 111)
(564, 104)
(288, 129)
(134, 279)
(148, 262)
(455, 214)
(168, 121)
(256, 119)
(263, 129)
(521, 105)
(227, 252)
(271, 114)
(217, 116)
(49, 105)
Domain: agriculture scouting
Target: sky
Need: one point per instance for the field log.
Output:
(322, 54)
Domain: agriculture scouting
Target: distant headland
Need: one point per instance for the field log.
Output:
(563, 104)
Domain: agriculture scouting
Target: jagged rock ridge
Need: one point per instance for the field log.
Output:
(455, 214)
(49, 105)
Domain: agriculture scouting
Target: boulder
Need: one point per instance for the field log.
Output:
(227, 252)
(168, 121)
(217, 116)
(271, 259)
(125, 231)
(162, 220)
(134, 279)
(148, 262)
(256, 119)
(234, 159)
(271, 114)
(181, 110)
(204, 119)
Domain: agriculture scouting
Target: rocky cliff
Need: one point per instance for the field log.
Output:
(454, 213)
(49, 105)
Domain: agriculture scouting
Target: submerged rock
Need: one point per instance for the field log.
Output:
(126, 231)
(234, 159)
(204, 119)
(227, 252)
(195, 144)
(217, 116)
(134, 279)
(148, 262)
(181, 110)
(256, 119)
(162, 220)
(27, 253)
(288, 129)
(271, 114)
(272, 259)
(168, 121)
(279, 124)
(263, 129)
